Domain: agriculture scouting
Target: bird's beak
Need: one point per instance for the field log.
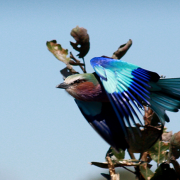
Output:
(63, 85)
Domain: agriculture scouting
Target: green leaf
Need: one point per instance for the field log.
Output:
(139, 144)
(146, 172)
(158, 151)
(115, 156)
(82, 38)
(58, 51)
(164, 172)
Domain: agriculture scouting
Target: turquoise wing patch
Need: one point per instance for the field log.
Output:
(126, 86)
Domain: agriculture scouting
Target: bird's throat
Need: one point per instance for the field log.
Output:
(87, 91)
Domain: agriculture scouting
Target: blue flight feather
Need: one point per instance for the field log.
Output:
(137, 85)
(102, 118)
(128, 88)
(122, 79)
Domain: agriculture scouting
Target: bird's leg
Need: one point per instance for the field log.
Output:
(131, 154)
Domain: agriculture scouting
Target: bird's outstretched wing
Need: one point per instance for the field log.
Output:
(127, 86)
(102, 118)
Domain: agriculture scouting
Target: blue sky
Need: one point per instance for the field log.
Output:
(43, 136)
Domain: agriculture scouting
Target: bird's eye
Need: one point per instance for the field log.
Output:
(77, 81)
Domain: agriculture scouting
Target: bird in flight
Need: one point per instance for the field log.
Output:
(112, 97)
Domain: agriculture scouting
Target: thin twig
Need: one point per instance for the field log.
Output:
(129, 170)
(112, 172)
(84, 64)
(75, 63)
(110, 166)
(78, 62)
(137, 170)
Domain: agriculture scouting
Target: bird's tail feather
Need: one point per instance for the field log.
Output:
(171, 87)
(167, 98)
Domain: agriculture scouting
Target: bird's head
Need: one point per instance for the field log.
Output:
(84, 87)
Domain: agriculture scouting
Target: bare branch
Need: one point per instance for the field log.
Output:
(128, 170)
(77, 63)
(112, 172)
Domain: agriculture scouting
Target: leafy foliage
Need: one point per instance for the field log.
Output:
(115, 156)
(154, 143)
(159, 151)
(146, 172)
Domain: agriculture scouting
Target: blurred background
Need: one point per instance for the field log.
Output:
(43, 135)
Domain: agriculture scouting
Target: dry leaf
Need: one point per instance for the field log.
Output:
(82, 39)
(58, 51)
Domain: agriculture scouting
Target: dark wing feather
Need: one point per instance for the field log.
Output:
(102, 118)
(127, 87)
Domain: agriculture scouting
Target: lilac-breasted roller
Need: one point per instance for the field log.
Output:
(110, 97)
